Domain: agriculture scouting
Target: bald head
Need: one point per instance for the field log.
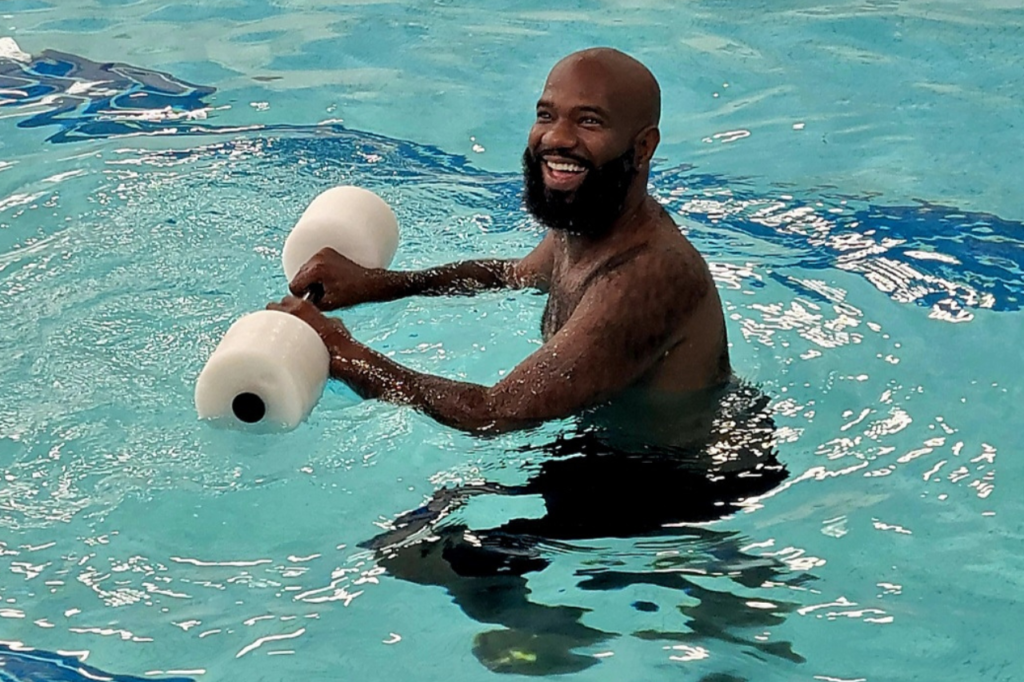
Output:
(631, 87)
(588, 157)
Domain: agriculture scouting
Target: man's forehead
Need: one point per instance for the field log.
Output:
(606, 80)
(577, 85)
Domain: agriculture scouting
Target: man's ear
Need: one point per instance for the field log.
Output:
(646, 142)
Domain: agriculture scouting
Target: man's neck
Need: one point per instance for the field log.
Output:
(580, 247)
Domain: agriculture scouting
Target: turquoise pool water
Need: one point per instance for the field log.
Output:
(849, 169)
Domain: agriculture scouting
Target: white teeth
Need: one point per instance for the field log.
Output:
(565, 167)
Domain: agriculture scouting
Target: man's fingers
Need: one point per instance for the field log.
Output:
(307, 275)
(289, 304)
(315, 293)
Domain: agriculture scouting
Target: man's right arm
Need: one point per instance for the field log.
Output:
(344, 283)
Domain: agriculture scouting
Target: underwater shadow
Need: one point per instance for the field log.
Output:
(592, 490)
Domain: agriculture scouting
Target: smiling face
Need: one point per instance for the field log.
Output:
(578, 125)
(590, 146)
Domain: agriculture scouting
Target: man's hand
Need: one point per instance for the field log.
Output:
(334, 334)
(334, 281)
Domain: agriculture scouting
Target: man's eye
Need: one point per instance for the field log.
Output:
(543, 116)
(590, 121)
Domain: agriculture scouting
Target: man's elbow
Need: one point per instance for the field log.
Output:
(485, 414)
(480, 423)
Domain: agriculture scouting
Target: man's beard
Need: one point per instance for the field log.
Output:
(592, 208)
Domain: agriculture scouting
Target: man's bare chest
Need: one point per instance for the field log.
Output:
(569, 284)
(564, 296)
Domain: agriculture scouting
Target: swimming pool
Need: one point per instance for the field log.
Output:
(848, 168)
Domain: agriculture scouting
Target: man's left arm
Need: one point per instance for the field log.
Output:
(622, 326)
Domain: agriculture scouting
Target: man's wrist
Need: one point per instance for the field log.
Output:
(347, 355)
(389, 284)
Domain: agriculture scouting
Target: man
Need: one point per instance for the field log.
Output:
(634, 345)
(633, 324)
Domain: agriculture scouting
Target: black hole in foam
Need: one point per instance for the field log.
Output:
(249, 407)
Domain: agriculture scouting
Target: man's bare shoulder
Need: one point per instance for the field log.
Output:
(666, 259)
(534, 269)
(665, 294)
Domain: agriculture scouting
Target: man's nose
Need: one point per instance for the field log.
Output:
(560, 135)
